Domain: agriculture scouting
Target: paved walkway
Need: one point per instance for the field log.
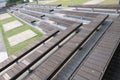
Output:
(94, 2)
(3, 53)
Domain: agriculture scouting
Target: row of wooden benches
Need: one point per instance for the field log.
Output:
(59, 58)
(57, 20)
(25, 17)
(44, 6)
(95, 65)
(43, 56)
(94, 7)
(43, 10)
(43, 52)
(38, 15)
(46, 27)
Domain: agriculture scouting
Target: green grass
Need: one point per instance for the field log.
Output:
(64, 3)
(12, 50)
(110, 2)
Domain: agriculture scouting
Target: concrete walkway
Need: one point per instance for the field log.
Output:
(94, 2)
(3, 53)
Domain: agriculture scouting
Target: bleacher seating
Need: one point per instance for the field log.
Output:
(48, 58)
(38, 15)
(47, 27)
(25, 18)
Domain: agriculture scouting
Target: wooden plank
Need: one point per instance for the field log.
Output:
(78, 14)
(61, 21)
(100, 56)
(97, 6)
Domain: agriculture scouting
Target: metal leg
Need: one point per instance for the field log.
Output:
(92, 9)
(117, 11)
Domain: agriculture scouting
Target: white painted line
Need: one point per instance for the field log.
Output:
(12, 25)
(4, 16)
(18, 38)
(94, 2)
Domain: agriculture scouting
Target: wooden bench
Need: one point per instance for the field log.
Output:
(34, 14)
(43, 10)
(18, 55)
(47, 27)
(22, 66)
(116, 7)
(95, 65)
(77, 14)
(54, 63)
(25, 17)
(46, 5)
(61, 21)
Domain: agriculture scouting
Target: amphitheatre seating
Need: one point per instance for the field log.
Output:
(55, 61)
(61, 21)
(16, 7)
(47, 57)
(77, 14)
(40, 52)
(93, 68)
(38, 15)
(42, 10)
(25, 18)
(114, 7)
(47, 27)
(97, 6)
(18, 55)
(46, 5)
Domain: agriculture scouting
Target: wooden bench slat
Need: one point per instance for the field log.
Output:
(100, 56)
(97, 6)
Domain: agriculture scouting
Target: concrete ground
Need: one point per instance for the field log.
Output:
(3, 53)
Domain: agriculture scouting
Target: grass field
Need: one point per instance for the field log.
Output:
(110, 2)
(64, 3)
(12, 50)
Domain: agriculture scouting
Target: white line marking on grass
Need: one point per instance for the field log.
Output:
(12, 25)
(18, 38)
(4, 16)
(94, 2)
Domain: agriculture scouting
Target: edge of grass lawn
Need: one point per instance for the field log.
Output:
(110, 2)
(25, 26)
(64, 3)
